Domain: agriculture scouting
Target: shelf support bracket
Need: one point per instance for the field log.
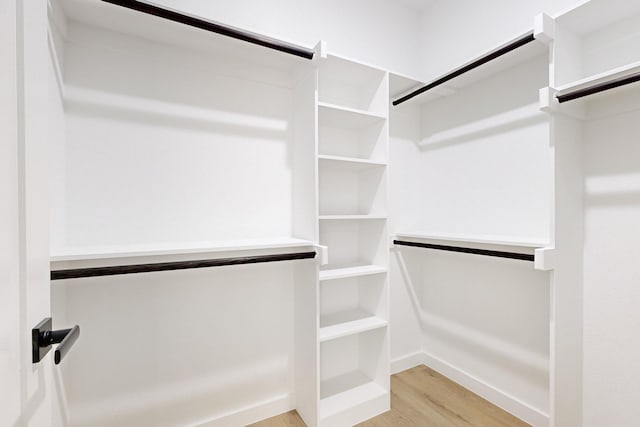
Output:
(323, 254)
(544, 259)
(543, 28)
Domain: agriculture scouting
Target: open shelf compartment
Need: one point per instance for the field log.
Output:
(354, 378)
(353, 85)
(349, 190)
(354, 242)
(353, 135)
(352, 304)
(597, 38)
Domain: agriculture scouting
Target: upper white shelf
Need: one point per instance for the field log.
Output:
(134, 251)
(538, 251)
(480, 68)
(474, 240)
(345, 117)
(123, 21)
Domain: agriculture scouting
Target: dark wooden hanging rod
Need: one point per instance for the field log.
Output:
(474, 251)
(214, 27)
(529, 37)
(599, 87)
(77, 273)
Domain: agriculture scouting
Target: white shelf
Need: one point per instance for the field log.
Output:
(133, 251)
(511, 59)
(121, 20)
(351, 217)
(345, 117)
(615, 73)
(347, 391)
(477, 239)
(348, 323)
(351, 163)
(351, 271)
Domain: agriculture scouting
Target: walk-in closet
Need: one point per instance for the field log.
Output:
(322, 213)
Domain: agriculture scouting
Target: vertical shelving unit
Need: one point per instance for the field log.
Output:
(353, 287)
(594, 123)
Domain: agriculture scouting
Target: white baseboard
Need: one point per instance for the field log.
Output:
(514, 406)
(408, 361)
(252, 413)
(277, 405)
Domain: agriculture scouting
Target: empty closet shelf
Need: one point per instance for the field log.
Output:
(111, 260)
(113, 270)
(348, 323)
(351, 271)
(175, 249)
(215, 27)
(512, 249)
(488, 63)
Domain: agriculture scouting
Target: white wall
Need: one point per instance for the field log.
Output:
(480, 167)
(151, 134)
(380, 32)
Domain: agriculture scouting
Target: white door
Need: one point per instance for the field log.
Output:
(26, 389)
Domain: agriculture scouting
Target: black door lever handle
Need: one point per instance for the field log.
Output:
(42, 338)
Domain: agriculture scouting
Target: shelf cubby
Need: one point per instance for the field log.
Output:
(351, 188)
(595, 39)
(354, 372)
(352, 304)
(353, 85)
(351, 134)
(354, 242)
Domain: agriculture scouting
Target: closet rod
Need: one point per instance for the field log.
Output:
(600, 87)
(474, 251)
(214, 27)
(529, 37)
(77, 273)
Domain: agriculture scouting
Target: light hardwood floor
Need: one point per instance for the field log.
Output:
(422, 397)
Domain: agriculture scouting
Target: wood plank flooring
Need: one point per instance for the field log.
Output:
(422, 397)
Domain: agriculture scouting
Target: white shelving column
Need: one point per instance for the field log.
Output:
(596, 44)
(353, 297)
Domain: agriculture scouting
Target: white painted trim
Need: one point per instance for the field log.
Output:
(408, 361)
(498, 397)
(252, 413)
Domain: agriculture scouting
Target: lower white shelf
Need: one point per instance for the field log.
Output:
(348, 323)
(351, 271)
(136, 251)
(342, 393)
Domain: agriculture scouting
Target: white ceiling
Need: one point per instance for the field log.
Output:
(415, 4)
